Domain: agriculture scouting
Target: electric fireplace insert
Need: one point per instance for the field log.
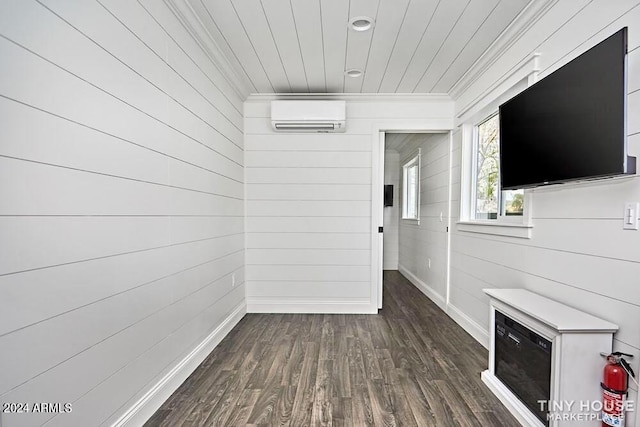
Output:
(523, 363)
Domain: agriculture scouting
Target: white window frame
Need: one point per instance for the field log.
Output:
(413, 161)
(501, 217)
(471, 114)
(504, 225)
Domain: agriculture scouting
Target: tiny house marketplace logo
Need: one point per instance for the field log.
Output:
(611, 412)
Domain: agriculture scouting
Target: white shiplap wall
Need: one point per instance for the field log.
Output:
(309, 228)
(427, 240)
(391, 213)
(578, 253)
(121, 213)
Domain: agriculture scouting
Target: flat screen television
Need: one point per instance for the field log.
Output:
(570, 125)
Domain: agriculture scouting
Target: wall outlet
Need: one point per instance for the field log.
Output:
(630, 216)
(233, 279)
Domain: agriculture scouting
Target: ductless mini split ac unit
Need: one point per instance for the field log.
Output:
(308, 116)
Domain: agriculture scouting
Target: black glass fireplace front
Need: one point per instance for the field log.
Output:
(523, 363)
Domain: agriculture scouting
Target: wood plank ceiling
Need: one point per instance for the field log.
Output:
(301, 46)
(399, 141)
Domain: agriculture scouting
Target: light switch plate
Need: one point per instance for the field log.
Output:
(630, 216)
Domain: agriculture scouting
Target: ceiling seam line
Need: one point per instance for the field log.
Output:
(228, 45)
(395, 42)
(252, 46)
(304, 66)
(418, 45)
(373, 33)
(465, 45)
(346, 49)
(441, 45)
(324, 61)
(266, 18)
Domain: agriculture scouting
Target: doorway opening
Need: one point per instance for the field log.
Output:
(413, 209)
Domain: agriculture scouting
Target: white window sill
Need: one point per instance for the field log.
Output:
(415, 221)
(522, 231)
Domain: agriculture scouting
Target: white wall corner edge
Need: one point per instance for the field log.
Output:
(423, 287)
(469, 325)
(151, 401)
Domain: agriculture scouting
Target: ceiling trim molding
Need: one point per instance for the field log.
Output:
(520, 25)
(196, 28)
(351, 97)
(525, 71)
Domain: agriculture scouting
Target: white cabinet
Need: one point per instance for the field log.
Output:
(577, 340)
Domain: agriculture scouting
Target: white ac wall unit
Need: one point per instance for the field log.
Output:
(308, 116)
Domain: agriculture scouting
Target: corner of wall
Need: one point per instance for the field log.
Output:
(198, 31)
(140, 411)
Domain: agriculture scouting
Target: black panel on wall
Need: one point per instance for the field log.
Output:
(388, 195)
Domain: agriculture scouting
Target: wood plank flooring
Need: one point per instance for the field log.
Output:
(408, 365)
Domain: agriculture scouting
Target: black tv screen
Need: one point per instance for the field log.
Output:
(571, 124)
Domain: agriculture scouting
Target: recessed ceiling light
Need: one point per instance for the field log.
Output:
(361, 23)
(353, 72)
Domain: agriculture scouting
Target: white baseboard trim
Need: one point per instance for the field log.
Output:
(469, 325)
(148, 404)
(424, 288)
(512, 403)
(264, 305)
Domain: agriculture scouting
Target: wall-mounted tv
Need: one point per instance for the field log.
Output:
(570, 125)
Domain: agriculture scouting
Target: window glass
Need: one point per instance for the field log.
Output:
(411, 187)
(489, 201)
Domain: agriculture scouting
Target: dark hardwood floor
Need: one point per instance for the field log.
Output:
(408, 365)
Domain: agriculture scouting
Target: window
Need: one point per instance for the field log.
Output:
(411, 188)
(488, 201)
(484, 207)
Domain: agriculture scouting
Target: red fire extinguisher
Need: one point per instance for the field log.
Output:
(614, 389)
